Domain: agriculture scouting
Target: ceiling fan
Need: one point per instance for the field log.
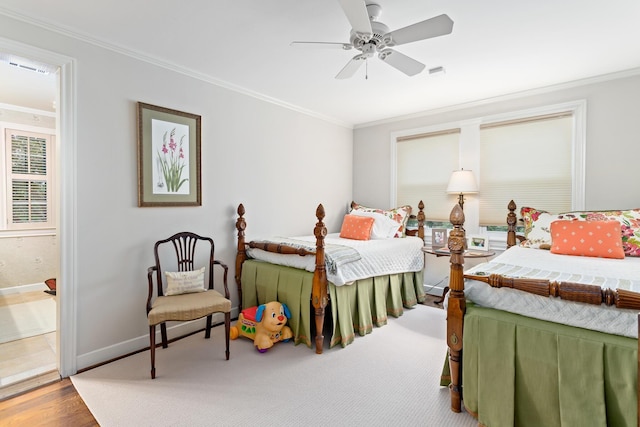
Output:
(368, 35)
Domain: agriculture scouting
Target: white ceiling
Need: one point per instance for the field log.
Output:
(497, 47)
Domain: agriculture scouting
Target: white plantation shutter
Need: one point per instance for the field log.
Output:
(29, 180)
(423, 166)
(528, 161)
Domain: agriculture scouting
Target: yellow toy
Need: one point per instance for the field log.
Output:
(264, 324)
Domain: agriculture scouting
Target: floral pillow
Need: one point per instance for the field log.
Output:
(537, 226)
(400, 215)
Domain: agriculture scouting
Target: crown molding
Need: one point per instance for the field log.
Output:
(507, 97)
(132, 53)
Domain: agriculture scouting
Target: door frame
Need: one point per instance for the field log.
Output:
(65, 206)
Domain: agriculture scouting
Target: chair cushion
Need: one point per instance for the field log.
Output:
(187, 306)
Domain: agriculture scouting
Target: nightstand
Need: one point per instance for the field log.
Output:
(444, 252)
(467, 254)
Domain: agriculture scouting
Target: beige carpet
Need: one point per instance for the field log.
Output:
(390, 377)
(27, 319)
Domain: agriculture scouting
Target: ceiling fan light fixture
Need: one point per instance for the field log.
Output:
(368, 35)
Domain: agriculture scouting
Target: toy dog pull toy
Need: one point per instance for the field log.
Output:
(264, 324)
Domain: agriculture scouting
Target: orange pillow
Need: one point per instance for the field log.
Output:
(356, 227)
(601, 239)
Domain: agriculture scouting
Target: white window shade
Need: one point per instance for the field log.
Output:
(528, 161)
(424, 165)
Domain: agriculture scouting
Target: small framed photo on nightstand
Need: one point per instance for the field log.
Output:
(438, 237)
(477, 242)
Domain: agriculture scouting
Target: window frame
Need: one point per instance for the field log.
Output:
(7, 227)
(469, 149)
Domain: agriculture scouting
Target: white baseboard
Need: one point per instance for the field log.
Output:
(434, 290)
(34, 287)
(115, 351)
(436, 287)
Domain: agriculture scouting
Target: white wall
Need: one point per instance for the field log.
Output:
(278, 162)
(613, 142)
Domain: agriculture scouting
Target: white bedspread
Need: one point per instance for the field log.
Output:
(377, 257)
(536, 263)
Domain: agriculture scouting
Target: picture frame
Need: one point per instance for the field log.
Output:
(477, 242)
(169, 171)
(438, 238)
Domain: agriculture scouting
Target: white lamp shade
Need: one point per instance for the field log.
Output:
(462, 182)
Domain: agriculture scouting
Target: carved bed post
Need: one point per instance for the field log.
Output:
(512, 220)
(241, 255)
(421, 218)
(457, 305)
(320, 283)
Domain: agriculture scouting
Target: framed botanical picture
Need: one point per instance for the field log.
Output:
(477, 242)
(168, 157)
(438, 237)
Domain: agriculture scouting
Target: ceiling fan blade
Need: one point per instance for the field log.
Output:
(352, 66)
(358, 17)
(401, 62)
(434, 27)
(322, 45)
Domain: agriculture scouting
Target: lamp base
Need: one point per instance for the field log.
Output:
(461, 200)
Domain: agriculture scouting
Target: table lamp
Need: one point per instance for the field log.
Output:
(462, 182)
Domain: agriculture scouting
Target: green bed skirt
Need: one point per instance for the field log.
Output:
(519, 371)
(355, 308)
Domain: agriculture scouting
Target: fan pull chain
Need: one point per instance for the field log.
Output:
(366, 69)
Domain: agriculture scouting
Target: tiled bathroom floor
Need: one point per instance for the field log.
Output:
(27, 362)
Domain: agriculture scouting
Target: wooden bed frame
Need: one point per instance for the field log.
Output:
(589, 294)
(320, 287)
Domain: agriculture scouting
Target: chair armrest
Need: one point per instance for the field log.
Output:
(224, 279)
(150, 272)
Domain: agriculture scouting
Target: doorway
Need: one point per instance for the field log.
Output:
(61, 104)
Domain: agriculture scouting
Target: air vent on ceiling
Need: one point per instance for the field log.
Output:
(27, 64)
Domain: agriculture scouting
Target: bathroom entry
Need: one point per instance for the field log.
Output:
(29, 248)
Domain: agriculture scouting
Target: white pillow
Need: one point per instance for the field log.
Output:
(383, 226)
(184, 282)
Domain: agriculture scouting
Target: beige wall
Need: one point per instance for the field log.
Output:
(27, 260)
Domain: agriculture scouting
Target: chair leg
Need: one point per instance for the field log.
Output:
(207, 331)
(227, 329)
(152, 347)
(163, 332)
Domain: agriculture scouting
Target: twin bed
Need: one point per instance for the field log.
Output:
(549, 338)
(372, 269)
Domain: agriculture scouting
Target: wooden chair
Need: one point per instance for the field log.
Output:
(185, 294)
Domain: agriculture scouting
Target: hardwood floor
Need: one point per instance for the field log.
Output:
(56, 404)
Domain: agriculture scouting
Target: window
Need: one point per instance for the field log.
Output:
(526, 160)
(424, 164)
(28, 159)
(535, 157)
